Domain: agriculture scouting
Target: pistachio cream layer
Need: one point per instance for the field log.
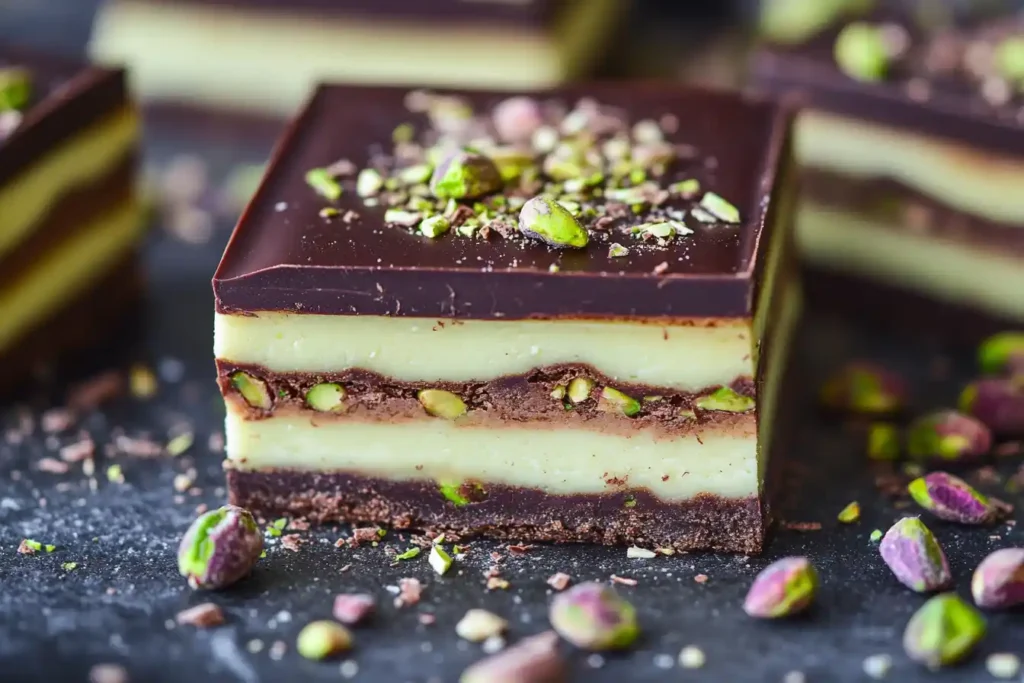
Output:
(168, 46)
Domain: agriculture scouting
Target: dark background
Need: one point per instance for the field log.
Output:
(118, 605)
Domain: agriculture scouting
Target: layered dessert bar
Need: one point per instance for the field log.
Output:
(911, 146)
(69, 214)
(560, 316)
(215, 51)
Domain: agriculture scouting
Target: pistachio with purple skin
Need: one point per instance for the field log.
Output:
(532, 660)
(943, 631)
(998, 582)
(517, 118)
(1002, 354)
(998, 402)
(465, 175)
(783, 588)
(915, 557)
(954, 500)
(862, 387)
(593, 616)
(948, 435)
(219, 548)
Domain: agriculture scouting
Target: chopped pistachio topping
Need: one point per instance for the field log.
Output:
(440, 560)
(417, 174)
(702, 215)
(726, 400)
(440, 403)
(69, 566)
(321, 180)
(326, 397)
(686, 188)
(860, 51)
(616, 250)
(434, 226)
(720, 208)
(408, 554)
(15, 88)
(465, 175)
(850, 513)
(875, 536)
(369, 183)
(545, 219)
(614, 401)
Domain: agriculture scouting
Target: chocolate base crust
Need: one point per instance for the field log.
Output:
(506, 512)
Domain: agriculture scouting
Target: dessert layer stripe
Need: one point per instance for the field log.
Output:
(522, 514)
(977, 182)
(99, 151)
(682, 358)
(554, 460)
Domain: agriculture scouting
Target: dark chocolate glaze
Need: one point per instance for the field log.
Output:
(284, 257)
(533, 13)
(524, 515)
(954, 108)
(895, 206)
(68, 97)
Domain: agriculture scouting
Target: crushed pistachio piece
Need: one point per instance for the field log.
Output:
(115, 474)
(369, 183)
(440, 560)
(544, 219)
(253, 390)
(614, 401)
(280, 523)
(15, 88)
(579, 389)
(408, 554)
(453, 493)
(688, 188)
(850, 513)
(861, 53)
(326, 397)
(702, 216)
(718, 207)
(477, 625)
(404, 218)
(69, 566)
(180, 444)
(321, 180)
(323, 639)
(465, 175)
(435, 226)
(616, 250)
(329, 212)
(635, 553)
(441, 403)
(875, 536)
(417, 174)
(1009, 59)
(726, 400)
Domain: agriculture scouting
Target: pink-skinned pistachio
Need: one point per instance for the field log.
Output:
(594, 616)
(948, 435)
(998, 402)
(219, 548)
(915, 557)
(864, 388)
(998, 582)
(783, 588)
(943, 631)
(1002, 354)
(954, 500)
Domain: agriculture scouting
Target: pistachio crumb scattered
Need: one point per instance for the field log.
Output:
(635, 553)
(1003, 665)
(850, 513)
(691, 657)
(408, 554)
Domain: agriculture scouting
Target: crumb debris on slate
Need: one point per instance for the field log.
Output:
(205, 615)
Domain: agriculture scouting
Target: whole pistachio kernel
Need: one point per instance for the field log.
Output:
(323, 639)
(321, 180)
(915, 557)
(219, 548)
(1009, 59)
(943, 631)
(948, 435)
(726, 400)
(252, 389)
(861, 53)
(535, 659)
(866, 388)
(614, 401)
(435, 226)
(998, 582)
(465, 175)
(579, 389)
(15, 88)
(326, 397)
(954, 500)
(783, 588)
(720, 208)
(593, 616)
(1003, 353)
(545, 219)
(441, 403)
(998, 402)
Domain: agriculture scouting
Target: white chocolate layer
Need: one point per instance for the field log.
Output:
(558, 461)
(947, 271)
(969, 180)
(685, 358)
(26, 200)
(221, 55)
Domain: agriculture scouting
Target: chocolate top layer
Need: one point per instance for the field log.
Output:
(942, 72)
(67, 97)
(284, 256)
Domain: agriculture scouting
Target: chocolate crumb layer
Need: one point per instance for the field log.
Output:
(632, 517)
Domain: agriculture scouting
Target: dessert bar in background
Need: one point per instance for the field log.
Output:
(574, 332)
(70, 217)
(911, 146)
(215, 51)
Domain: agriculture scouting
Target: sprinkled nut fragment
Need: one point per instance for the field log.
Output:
(948, 435)
(692, 657)
(1003, 353)
(326, 397)
(369, 182)
(531, 660)
(400, 217)
(883, 442)
(861, 387)
(943, 631)
(688, 189)
(783, 588)
(203, 616)
(544, 219)
(998, 402)
(1005, 665)
(635, 553)
(478, 625)
(439, 559)
(998, 581)
(253, 390)
(593, 616)
(1009, 59)
(434, 226)
(954, 500)
(322, 639)
(616, 250)
(877, 666)
(465, 175)
(321, 180)
(915, 556)
(725, 400)
(353, 608)
(441, 403)
(614, 401)
(720, 208)
(579, 389)
(861, 53)
(850, 513)
(558, 393)
(219, 548)
(15, 88)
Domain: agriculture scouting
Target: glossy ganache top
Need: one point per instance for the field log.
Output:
(952, 70)
(64, 97)
(653, 246)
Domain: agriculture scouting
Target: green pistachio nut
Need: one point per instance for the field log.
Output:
(952, 499)
(850, 513)
(326, 397)
(725, 400)
(219, 548)
(593, 616)
(579, 389)
(943, 631)
(558, 393)
(406, 219)
(321, 180)
(435, 226)
(614, 401)
(416, 174)
(15, 88)
(861, 53)
(864, 388)
(883, 442)
(720, 208)
(252, 389)
(545, 219)
(1003, 353)
(462, 493)
(915, 557)
(616, 250)
(465, 175)
(783, 588)
(369, 182)
(323, 639)
(948, 435)
(998, 402)
(1010, 59)
(439, 560)
(441, 403)
(688, 189)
